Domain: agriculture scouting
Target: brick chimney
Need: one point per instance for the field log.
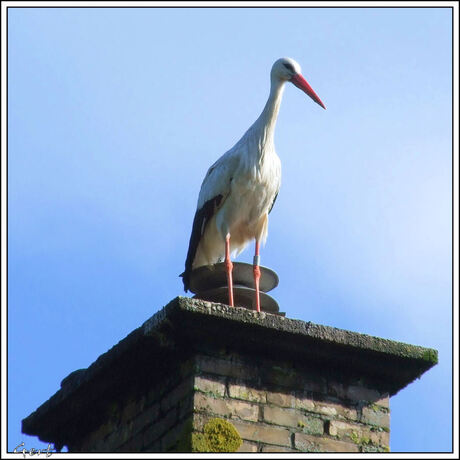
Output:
(204, 377)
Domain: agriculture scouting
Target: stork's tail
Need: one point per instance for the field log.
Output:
(201, 219)
(186, 279)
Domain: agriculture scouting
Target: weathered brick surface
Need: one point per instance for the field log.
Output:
(226, 407)
(118, 437)
(282, 382)
(303, 400)
(358, 433)
(268, 448)
(380, 438)
(263, 433)
(176, 394)
(134, 444)
(353, 392)
(169, 441)
(293, 418)
(213, 385)
(335, 410)
(148, 416)
(247, 446)
(284, 376)
(199, 419)
(103, 431)
(251, 433)
(158, 428)
(314, 384)
(156, 393)
(153, 446)
(360, 393)
(374, 416)
(384, 401)
(243, 391)
(226, 367)
(274, 409)
(131, 409)
(338, 428)
(185, 406)
(283, 399)
(308, 443)
(96, 440)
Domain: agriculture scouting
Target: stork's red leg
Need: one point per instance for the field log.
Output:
(229, 267)
(256, 270)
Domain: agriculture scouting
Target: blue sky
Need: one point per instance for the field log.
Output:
(114, 116)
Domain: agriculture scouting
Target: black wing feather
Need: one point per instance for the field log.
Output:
(273, 203)
(201, 219)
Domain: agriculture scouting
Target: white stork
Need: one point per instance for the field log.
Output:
(240, 188)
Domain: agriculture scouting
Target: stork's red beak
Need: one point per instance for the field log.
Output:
(301, 83)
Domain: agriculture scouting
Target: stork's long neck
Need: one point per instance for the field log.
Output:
(265, 124)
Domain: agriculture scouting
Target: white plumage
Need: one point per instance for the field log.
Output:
(248, 184)
(240, 188)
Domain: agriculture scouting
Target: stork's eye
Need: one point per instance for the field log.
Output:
(288, 66)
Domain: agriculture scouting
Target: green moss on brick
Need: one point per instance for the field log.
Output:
(360, 441)
(376, 408)
(221, 436)
(431, 356)
(199, 443)
(354, 437)
(365, 441)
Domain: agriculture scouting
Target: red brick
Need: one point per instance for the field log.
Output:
(172, 436)
(284, 376)
(335, 410)
(303, 401)
(200, 419)
(384, 401)
(226, 367)
(215, 385)
(263, 433)
(339, 428)
(283, 399)
(380, 438)
(178, 393)
(186, 406)
(268, 448)
(308, 443)
(293, 418)
(353, 392)
(247, 446)
(148, 416)
(153, 432)
(315, 384)
(226, 407)
(375, 416)
(359, 393)
(242, 391)
(358, 433)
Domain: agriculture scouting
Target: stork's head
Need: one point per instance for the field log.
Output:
(286, 69)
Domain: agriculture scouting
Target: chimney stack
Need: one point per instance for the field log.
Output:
(205, 377)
